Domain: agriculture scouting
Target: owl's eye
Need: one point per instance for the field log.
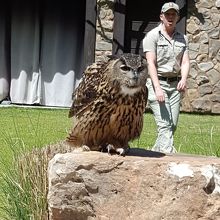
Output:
(125, 68)
(140, 68)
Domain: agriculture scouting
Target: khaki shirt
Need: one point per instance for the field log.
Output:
(169, 53)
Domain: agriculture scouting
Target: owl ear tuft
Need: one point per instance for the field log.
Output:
(144, 60)
(113, 56)
(143, 57)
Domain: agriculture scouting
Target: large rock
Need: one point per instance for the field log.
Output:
(143, 185)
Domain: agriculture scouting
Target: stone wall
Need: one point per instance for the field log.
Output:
(104, 28)
(203, 31)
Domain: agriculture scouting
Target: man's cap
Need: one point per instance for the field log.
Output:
(170, 5)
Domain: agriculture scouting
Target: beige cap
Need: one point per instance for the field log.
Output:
(170, 5)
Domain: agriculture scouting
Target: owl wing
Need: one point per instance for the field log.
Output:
(87, 91)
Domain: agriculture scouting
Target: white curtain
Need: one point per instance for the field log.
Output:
(61, 52)
(25, 52)
(46, 47)
(4, 53)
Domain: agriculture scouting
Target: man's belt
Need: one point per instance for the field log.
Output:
(169, 79)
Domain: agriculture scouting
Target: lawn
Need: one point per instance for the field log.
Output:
(197, 134)
(23, 179)
(34, 127)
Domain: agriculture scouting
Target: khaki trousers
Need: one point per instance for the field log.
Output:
(166, 115)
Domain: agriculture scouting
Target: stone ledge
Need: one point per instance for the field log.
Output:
(144, 185)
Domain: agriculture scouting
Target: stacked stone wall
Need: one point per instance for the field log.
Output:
(104, 29)
(203, 31)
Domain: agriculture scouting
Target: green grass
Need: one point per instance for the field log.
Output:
(23, 166)
(197, 134)
(24, 187)
(35, 127)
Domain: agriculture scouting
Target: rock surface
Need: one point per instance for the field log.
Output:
(143, 185)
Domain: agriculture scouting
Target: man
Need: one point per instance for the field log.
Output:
(167, 55)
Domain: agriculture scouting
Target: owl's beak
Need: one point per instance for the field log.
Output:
(135, 74)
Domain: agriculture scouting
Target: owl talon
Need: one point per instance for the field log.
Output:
(121, 151)
(109, 148)
(85, 148)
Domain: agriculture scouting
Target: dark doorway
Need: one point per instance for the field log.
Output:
(139, 21)
(134, 19)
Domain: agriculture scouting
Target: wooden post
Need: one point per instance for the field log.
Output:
(90, 32)
(119, 27)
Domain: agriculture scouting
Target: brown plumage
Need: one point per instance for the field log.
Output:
(109, 103)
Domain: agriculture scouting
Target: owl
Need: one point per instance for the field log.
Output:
(108, 105)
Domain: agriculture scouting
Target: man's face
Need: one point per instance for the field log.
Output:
(169, 18)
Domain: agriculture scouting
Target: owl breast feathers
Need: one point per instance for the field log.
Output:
(109, 103)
